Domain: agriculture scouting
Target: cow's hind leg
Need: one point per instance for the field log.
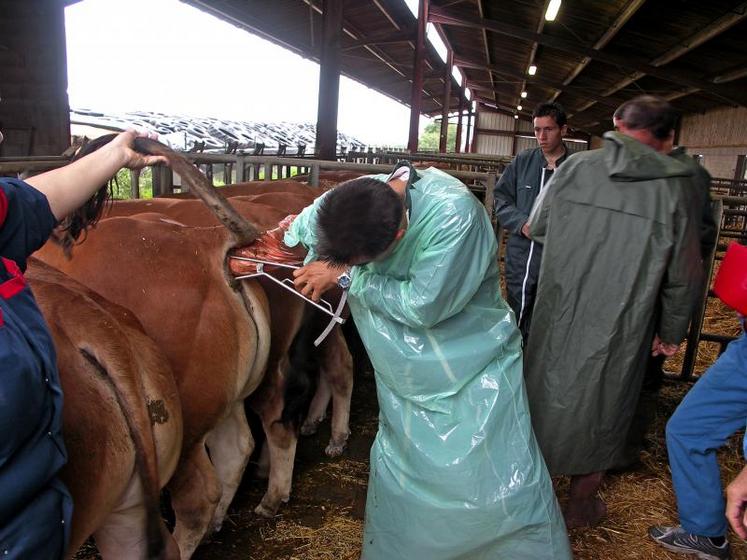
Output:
(318, 407)
(281, 442)
(195, 493)
(121, 536)
(230, 445)
(123, 533)
(337, 370)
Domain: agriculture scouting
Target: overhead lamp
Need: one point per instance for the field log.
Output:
(516, 116)
(519, 107)
(532, 70)
(523, 94)
(552, 10)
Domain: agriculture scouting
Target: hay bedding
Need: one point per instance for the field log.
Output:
(324, 519)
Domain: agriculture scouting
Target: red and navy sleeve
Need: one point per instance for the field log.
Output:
(26, 220)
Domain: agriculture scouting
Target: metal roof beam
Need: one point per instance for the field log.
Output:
(708, 32)
(447, 17)
(621, 19)
(533, 50)
(540, 81)
(731, 75)
(481, 10)
(381, 39)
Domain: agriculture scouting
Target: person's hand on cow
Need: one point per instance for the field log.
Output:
(316, 278)
(658, 348)
(68, 188)
(122, 146)
(736, 504)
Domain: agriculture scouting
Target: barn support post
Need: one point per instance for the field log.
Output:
(240, 168)
(314, 176)
(489, 198)
(329, 80)
(163, 180)
(467, 147)
(458, 140)
(694, 336)
(268, 170)
(416, 94)
(134, 183)
(446, 102)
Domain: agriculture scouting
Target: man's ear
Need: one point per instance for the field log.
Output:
(563, 130)
(400, 234)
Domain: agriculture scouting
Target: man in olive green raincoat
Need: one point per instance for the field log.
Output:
(620, 244)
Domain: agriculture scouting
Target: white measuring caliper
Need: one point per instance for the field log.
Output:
(288, 285)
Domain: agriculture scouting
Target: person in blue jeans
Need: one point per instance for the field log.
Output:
(35, 506)
(713, 410)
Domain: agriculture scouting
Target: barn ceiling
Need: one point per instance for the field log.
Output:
(594, 56)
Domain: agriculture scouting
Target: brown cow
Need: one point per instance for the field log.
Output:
(215, 334)
(121, 419)
(266, 209)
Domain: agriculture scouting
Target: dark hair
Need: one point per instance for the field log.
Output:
(551, 109)
(648, 112)
(358, 220)
(77, 222)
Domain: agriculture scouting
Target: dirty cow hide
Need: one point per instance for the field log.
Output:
(121, 420)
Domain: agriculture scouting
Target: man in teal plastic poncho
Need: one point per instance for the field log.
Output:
(455, 470)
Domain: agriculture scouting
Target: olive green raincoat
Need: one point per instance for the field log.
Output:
(618, 245)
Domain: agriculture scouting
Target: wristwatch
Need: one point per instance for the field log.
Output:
(344, 280)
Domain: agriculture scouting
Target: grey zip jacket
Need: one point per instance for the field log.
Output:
(515, 194)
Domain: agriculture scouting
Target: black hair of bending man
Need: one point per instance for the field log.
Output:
(647, 112)
(551, 109)
(358, 221)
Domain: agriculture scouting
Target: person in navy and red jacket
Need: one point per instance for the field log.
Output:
(35, 506)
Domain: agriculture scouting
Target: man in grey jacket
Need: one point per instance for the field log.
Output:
(515, 193)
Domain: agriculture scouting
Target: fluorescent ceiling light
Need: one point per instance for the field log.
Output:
(552, 10)
(519, 107)
(516, 116)
(523, 94)
(532, 70)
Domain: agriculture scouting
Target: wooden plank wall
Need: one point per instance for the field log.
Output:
(720, 135)
(34, 110)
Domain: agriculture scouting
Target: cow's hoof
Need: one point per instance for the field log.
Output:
(334, 449)
(263, 511)
(310, 427)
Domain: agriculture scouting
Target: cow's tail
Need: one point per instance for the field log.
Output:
(127, 386)
(303, 370)
(243, 230)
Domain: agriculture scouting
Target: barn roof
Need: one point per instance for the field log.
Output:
(593, 57)
(184, 132)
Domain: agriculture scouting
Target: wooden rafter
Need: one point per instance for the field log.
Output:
(731, 75)
(481, 11)
(539, 80)
(388, 38)
(625, 14)
(448, 17)
(708, 32)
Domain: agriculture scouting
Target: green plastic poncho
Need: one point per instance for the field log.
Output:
(455, 468)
